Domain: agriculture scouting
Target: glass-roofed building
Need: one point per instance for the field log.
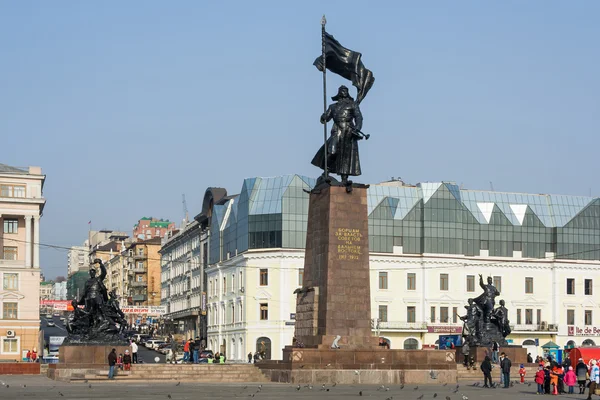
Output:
(428, 244)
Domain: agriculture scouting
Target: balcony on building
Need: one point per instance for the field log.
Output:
(539, 328)
(399, 326)
(138, 284)
(138, 297)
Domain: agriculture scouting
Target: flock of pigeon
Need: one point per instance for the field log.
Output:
(324, 388)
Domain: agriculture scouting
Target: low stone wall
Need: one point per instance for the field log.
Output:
(19, 368)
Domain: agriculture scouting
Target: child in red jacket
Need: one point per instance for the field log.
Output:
(539, 379)
(522, 373)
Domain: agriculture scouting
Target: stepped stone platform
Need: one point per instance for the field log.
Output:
(364, 366)
(200, 373)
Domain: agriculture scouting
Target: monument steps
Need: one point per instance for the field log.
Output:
(231, 373)
(477, 375)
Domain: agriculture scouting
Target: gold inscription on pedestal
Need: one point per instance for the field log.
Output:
(348, 248)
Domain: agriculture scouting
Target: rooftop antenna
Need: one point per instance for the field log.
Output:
(492, 186)
(185, 209)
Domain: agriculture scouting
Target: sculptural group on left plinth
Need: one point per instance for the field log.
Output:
(101, 319)
(485, 323)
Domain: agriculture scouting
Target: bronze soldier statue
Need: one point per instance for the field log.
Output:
(342, 145)
(486, 300)
(95, 293)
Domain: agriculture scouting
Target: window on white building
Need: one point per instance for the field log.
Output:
(301, 277)
(570, 317)
(411, 281)
(411, 314)
(470, 283)
(10, 346)
(529, 285)
(588, 287)
(518, 316)
(539, 316)
(498, 283)
(444, 314)
(454, 315)
(11, 281)
(12, 191)
(383, 313)
(264, 277)
(9, 253)
(383, 280)
(264, 311)
(588, 317)
(528, 316)
(570, 286)
(443, 281)
(11, 225)
(432, 314)
(9, 310)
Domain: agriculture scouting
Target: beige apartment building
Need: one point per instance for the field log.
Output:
(21, 206)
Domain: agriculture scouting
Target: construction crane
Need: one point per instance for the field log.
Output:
(185, 209)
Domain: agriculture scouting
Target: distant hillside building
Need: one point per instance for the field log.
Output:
(148, 228)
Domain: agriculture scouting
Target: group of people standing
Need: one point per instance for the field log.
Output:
(505, 365)
(554, 378)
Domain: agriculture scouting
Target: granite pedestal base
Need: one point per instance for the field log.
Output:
(516, 354)
(364, 366)
(93, 354)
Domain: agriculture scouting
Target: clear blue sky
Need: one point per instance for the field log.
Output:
(127, 105)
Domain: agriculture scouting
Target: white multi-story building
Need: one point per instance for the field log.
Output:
(77, 258)
(59, 291)
(21, 206)
(428, 244)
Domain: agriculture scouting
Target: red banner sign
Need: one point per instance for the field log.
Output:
(444, 329)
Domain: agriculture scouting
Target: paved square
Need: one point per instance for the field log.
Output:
(37, 387)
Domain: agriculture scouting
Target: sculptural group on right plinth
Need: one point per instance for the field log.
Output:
(485, 323)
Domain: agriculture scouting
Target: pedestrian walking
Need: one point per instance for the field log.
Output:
(465, 352)
(581, 371)
(594, 379)
(522, 372)
(505, 365)
(571, 380)
(112, 361)
(250, 358)
(495, 349)
(540, 376)
(486, 368)
(134, 352)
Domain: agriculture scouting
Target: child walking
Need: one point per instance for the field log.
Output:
(522, 373)
(570, 380)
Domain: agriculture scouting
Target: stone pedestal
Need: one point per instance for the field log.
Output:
(87, 355)
(516, 354)
(335, 298)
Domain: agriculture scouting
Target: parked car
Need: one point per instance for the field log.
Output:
(57, 314)
(48, 316)
(153, 343)
(140, 338)
(50, 323)
(163, 347)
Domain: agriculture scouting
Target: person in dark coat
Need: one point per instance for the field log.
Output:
(505, 365)
(529, 358)
(581, 371)
(250, 358)
(486, 368)
(112, 361)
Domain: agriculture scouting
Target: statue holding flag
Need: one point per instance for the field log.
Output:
(339, 154)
